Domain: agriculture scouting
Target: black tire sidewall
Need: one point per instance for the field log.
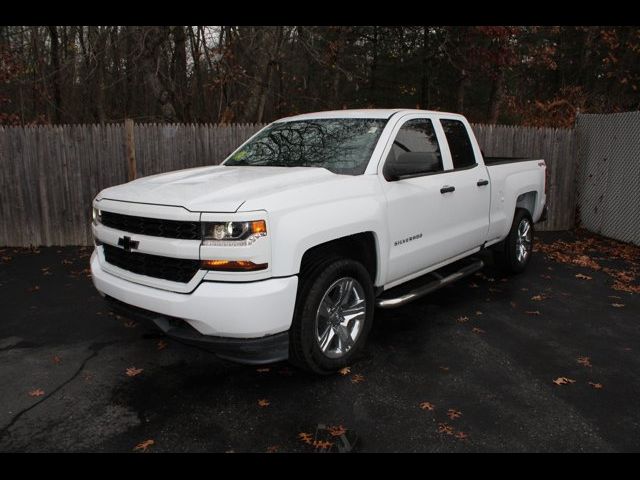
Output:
(308, 353)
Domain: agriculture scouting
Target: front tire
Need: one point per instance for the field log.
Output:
(333, 316)
(514, 253)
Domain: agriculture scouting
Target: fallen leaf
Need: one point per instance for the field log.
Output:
(263, 370)
(538, 298)
(462, 319)
(532, 312)
(133, 371)
(66, 262)
(427, 406)
(56, 359)
(305, 437)
(478, 312)
(130, 324)
(445, 428)
(563, 381)
(453, 414)
(444, 369)
(344, 371)
(323, 444)
(617, 305)
(144, 446)
(273, 449)
(461, 435)
(38, 392)
(584, 361)
(477, 330)
(161, 345)
(357, 378)
(597, 386)
(263, 402)
(336, 430)
(583, 277)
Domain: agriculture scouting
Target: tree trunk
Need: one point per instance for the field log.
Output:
(495, 101)
(56, 74)
(424, 76)
(97, 44)
(272, 40)
(151, 40)
(180, 72)
(374, 67)
(462, 85)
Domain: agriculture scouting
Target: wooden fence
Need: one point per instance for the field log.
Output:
(50, 174)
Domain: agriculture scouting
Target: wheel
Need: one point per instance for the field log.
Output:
(514, 252)
(333, 316)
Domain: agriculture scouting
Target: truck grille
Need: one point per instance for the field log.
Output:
(154, 227)
(174, 269)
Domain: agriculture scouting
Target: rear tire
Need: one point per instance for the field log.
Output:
(333, 315)
(514, 252)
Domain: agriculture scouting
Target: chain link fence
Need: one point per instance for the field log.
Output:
(608, 187)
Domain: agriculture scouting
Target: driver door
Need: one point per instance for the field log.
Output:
(421, 220)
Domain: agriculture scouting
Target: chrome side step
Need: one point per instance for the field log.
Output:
(432, 286)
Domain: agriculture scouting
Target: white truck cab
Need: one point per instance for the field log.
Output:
(285, 248)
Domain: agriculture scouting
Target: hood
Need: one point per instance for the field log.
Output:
(214, 189)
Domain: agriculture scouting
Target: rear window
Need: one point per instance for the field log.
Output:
(459, 143)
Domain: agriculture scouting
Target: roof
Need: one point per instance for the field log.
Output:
(362, 113)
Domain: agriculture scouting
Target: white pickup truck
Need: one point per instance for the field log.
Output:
(285, 249)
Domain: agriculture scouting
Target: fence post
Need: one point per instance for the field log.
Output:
(130, 148)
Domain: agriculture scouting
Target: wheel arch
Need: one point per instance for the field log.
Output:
(362, 247)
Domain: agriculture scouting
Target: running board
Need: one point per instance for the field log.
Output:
(439, 282)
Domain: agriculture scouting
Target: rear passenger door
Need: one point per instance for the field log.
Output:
(472, 195)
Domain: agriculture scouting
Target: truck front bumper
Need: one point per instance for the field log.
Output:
(245, 322)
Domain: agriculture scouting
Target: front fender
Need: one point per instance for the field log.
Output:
(298, 230)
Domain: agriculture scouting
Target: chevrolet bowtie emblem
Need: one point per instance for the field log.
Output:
(127, 244)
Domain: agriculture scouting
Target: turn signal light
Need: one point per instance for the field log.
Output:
(258, 226)
(233, 265)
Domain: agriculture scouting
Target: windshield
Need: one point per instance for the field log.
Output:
(341, 145)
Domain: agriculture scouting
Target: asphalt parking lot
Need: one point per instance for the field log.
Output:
(544, 361)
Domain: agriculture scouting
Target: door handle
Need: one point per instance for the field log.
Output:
(482, 183)
(447, 189)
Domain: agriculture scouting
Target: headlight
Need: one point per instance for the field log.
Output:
(233, 233)
(97, 216)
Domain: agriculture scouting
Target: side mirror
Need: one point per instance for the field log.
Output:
(411, 164)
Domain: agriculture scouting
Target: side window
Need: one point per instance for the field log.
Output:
(416, 135)
(459, 143)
